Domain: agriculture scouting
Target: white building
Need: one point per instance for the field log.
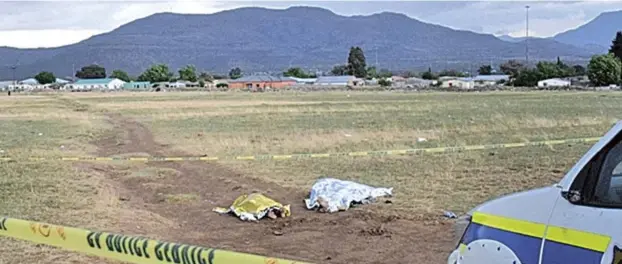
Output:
(97, 84)
(489, 80)
(4, 85)
(335, 80)
(31, 84)
(303, 80)
(419, 82)
(555, 82)
(176, 84)
(460, 83)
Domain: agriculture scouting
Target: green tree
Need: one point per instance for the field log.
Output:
(92, 71)
(604, 70)
(219, 77)
(384, 82)
(409, 74)
(121, 75)
(579, 70)
(206, 77)
(339, 70)
(512, 68)
(385, 73)
(428, 75)
(235, 73)
(45, 77)
(528, 78)
(157, 73)
(453, 73)
(372, 72)
(357, 64)
(565, 70)
(549, 70)
(616, 46)
(188, 73)
(201, 83)
(295, 72)
(485, 70)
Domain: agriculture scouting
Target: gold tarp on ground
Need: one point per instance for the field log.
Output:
(254, 206)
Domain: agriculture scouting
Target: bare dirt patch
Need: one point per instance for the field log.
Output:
(356, 236)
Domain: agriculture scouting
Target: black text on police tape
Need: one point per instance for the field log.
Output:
(134, 246)
(3, 224)
(183, 254)
(167, 252)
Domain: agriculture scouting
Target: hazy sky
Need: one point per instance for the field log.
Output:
(56, 23)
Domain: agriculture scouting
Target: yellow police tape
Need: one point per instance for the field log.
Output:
(320, 155)
(124, 248)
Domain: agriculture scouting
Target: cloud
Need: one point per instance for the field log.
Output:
(52, 24)
(34, 24)
(91, 15)
(545, 18)
(44, 38)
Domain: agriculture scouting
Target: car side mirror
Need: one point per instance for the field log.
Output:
(573, 196)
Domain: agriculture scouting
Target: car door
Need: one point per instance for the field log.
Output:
(586, 226)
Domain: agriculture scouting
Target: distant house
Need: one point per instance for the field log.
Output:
(159, 85)
(261, 82)
(33, 84)
(61, 81)
(373, 81)
(176, 84)
(579, 80)
(336, 80)
(33, 81)
(555, 82)
(460, 83)
(397, 79)
(29, 81)
(137, 85)
(221, 83)
(447, 78)
(418, 82)
(486, 80)
(4, 85)
(97, 84)
(304, 80)
(189, 84)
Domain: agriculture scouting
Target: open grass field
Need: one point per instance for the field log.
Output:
(173, 200)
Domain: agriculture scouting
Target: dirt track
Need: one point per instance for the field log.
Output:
(356, 236)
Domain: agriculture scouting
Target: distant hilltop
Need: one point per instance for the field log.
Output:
(594, 36)
(260, 39)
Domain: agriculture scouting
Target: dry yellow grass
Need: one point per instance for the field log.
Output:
(172, 105)
(57, 192)
(228, 124)
(225, 124)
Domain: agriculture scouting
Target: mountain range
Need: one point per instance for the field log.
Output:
(594, 36)
(261, 39)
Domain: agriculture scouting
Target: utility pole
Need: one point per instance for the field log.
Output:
(13, 69)
(527, 35)
(376, 50)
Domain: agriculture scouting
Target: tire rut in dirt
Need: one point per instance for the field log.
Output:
(355, 236)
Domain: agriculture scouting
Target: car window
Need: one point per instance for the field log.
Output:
(609, 185)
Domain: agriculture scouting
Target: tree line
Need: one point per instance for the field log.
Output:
(156, 73)
(604, 69)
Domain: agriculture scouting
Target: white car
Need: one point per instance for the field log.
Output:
(578, 220)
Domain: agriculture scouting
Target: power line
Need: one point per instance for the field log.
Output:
(527, 34)
(13, 69)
